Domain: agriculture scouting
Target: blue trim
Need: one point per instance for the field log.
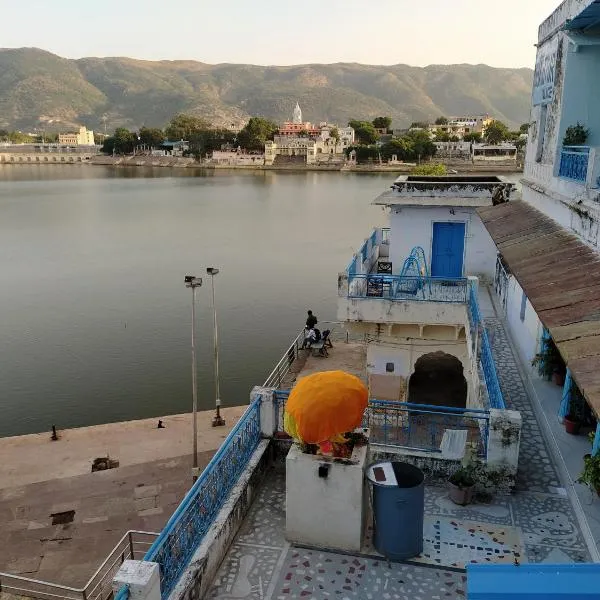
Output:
(565, 403)
(574, 162)
(596, 445)
(122, 594)
(192, 519)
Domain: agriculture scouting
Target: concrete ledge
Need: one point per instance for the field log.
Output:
(199, 574)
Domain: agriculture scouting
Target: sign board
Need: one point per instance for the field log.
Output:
(545, 73)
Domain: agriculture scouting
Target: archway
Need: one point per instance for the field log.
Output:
(438, 380)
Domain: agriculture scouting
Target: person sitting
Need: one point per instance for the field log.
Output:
(311, 336)
(311, 321)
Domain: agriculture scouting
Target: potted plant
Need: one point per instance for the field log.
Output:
(574, 419)
(576, 135)
(549, 363)
(590, 475)
(572, 423)
(461, 484)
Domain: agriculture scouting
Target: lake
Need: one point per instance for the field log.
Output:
(95, 317)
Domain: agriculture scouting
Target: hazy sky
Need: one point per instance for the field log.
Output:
(416, 32)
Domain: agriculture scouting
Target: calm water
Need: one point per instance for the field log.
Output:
(94, 314)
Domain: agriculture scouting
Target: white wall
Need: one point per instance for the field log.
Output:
(527, 333)
(413, 226)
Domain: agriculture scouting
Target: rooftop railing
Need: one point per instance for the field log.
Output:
(422, 426)
(400, 287)
(574, 162)
(191, 521)
(132, 546)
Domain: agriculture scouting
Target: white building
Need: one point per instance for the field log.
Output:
(494, 154)
(548, 271)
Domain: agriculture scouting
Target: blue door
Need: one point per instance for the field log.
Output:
(447, 249)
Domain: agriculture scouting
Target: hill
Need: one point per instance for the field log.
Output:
(40, 89)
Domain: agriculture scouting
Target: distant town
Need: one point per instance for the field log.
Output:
(260, 142)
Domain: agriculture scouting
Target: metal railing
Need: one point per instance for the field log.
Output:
(408, 287)
(422, 426)
(192, 519)
(132, 546)
(574, 162)
(282, 368)
(486, 357)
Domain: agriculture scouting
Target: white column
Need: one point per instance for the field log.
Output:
(141, 577)
(268, 409)
(504, 440)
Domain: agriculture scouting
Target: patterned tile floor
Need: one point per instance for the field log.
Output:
(535, 524)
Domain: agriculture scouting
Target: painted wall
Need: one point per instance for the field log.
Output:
(413, 226)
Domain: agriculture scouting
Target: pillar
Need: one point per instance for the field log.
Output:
(268, 409)
(141, 577)
(504, 440)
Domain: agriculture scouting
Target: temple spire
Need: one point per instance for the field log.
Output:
(297, 114)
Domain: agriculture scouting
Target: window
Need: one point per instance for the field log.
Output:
(389, 367)
(523, 306)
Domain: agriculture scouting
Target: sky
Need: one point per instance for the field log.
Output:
(269, 32)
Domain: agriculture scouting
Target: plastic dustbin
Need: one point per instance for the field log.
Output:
(398, 505)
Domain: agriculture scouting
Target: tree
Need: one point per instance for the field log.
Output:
(366, 134)
(524, 128)
(423, 147)
(207, 141)
(432, 169)
(454, 138)
(496, 132)
(151, 137)
(419, 125)
(182, 127)
(441, 121)
(382, 122)
(442, 136)
(121, 142)
(256, 133)
(472, 137)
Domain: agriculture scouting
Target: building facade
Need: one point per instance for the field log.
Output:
(461, 126)
(82, 138)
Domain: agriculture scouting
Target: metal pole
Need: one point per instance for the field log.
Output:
(218, 420)
(194, 390)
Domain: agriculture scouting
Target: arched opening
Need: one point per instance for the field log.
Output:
(438, 380)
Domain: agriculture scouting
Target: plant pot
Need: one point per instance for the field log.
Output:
(571, 425)
(558, 378)
(460, 496)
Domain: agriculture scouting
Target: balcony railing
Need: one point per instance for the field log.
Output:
(398, 287)
(574, 162)
(422, 426)
(188, 525)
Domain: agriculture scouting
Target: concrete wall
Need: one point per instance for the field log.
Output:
(413, 226)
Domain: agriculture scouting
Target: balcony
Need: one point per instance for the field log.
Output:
(574, 161)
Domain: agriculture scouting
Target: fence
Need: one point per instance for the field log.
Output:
(193, 518)
(422, 426)
(487, 360)
(133, 545)
(282, 368)
(408, 287)
(574, 163)
(365, 253)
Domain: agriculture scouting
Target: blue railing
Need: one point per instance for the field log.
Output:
(422, 426)
(396, 287)
(488, 365)
(122, 594)
(574, 162)
(190, 522)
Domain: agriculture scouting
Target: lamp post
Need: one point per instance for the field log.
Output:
(194, 282)
(218, 420)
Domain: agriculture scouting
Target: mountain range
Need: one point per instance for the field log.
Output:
(39, 89)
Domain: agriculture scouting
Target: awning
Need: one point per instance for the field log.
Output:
(589, 17)
(561, 277)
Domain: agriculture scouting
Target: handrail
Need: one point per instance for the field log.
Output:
(124, 549)
(285, 362)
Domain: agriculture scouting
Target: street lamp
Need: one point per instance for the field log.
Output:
(218, 420)
(194, 282)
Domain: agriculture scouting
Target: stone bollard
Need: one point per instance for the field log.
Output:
(141, 577)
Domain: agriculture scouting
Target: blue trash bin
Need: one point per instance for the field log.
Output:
(398, 505)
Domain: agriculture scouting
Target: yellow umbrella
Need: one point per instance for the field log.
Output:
(324, 405)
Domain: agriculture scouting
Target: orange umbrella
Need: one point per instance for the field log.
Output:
(324, 405)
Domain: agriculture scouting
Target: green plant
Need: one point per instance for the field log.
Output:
(576, 135)
(432, 169)
(548, 359)
(590, 475)
(463, 478)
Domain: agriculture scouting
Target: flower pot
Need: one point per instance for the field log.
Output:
(460, 496)
(558, 378)
(571, 425)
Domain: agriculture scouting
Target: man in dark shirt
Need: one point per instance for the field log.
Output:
(311, 321)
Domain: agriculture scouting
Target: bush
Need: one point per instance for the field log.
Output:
(433, 169)
(576, 135)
